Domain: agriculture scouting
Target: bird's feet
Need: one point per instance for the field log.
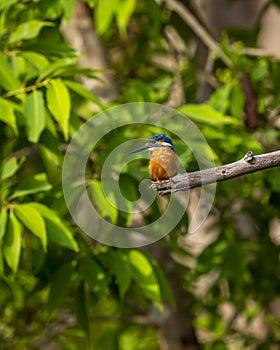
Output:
(160, 181)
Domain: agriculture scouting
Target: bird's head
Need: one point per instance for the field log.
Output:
(158, 140)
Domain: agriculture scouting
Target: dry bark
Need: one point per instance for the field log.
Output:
(248, 164)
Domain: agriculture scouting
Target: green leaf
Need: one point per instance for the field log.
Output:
(207, 115)
(106, 208)
(252, 311)
(19, 67)
(33, 220)
(211, 256)
(237, 98)
(82, 91)
(144, 275)
(28, 30)
(68, 6)
(260, 71)
(7, 114)
(1, 262)
(137, 91)
(120, 267)
(12, 243)
(8, 79)
(52, 162)
(220, 99)
(37, 60)
(166, 293)
(3, 222)
(59, 103)
(235, 256)
(94, 276)
(71, 70)
(81, 308)
(51, 9)
(104, 14)
(52, 68)
(128, 189)
(59, 286)
(9, 168)
(57, 231)
(124, 11)
(4, 4)
(135, 337)
(51, 44)
(91, 3)
(35, 184)
(34, 111)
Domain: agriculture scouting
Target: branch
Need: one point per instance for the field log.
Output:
(260, 52)
(248, 164)
(208, 40)
(198, 29)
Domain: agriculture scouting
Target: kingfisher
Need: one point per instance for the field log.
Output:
(163, 160)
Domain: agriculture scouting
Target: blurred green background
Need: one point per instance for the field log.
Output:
(63, 61)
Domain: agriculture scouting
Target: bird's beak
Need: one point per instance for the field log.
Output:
(146, 146)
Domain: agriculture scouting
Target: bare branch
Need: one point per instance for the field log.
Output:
(198, 29)
(260, 52)
(246, 165)
(208, 40)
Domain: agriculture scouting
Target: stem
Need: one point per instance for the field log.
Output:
(24, 90)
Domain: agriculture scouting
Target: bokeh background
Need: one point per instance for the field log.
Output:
(63, 61)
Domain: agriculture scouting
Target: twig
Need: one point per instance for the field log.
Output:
(260, 52)
(198, 29)
(246, 165)
(27, 152)
(26, 89)
(208, 40)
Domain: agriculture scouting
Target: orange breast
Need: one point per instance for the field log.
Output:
(163, 163)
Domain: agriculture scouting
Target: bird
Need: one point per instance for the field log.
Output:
(163, 160)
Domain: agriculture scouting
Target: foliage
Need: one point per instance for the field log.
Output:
(49, 270)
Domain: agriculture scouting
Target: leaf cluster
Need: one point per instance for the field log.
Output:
(50, 271)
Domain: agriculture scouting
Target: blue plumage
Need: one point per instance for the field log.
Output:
(161, 137)
(163, 160)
